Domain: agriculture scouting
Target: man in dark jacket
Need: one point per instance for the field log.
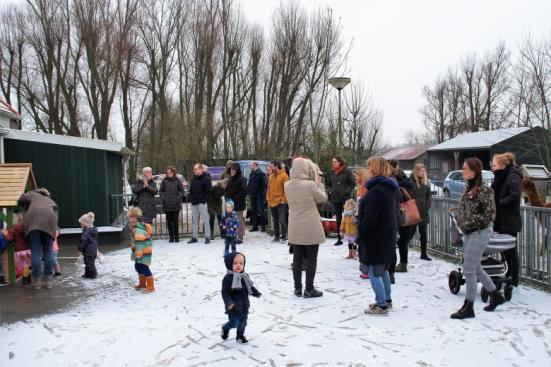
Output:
(257, 193)
(341, 185)
(237, 191)
(199, 191)
(146, 189)
(507, 188)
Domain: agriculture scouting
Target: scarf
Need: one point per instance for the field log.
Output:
(236, 282)
(338, 170)
(349, 212)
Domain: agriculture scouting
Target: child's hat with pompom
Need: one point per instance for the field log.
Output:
(87, 219)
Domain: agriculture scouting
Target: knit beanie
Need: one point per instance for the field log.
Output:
(87, 220)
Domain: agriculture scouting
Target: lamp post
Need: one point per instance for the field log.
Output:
(339, 83)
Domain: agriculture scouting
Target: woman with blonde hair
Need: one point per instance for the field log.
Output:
(360, 176)
(423, 198)
(507, 188)
(377, 227)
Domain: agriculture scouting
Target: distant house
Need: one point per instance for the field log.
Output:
(530, 145)
(9, 118)
(408, 157)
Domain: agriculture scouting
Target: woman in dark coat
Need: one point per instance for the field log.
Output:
(423, 198)
(341, 185)
(507, 188)
(171, 193)
(237, 191)
(146, 189)
(40, 225)
(377, 226)
(406, 233)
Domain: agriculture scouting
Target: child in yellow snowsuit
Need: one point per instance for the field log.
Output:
(349, 227)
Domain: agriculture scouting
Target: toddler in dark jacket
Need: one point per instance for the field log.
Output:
(229, 226)
(89, 245)
(236, 288)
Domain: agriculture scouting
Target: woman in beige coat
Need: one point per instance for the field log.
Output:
(304, 192)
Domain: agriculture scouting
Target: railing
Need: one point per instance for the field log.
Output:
(533, 241)
(120, 203)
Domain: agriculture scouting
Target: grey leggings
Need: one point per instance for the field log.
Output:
(474, 245)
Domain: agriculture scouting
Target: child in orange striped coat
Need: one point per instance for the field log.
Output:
(142, 249)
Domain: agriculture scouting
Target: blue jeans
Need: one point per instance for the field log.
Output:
(380, 285)
(142, 269)
(230, 241)
(42, 246)
(236, 320)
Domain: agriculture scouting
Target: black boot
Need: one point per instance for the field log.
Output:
(241, 339)
(224, 334)
(298, 292)
(392, 279)
(312, 293)
(496, 299)
(465, 312)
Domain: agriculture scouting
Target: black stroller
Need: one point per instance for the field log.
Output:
(495, 266)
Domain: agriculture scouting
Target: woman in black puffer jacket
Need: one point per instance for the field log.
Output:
(171, 193)
(507, 188)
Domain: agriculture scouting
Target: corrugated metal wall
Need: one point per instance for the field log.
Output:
(80, 179)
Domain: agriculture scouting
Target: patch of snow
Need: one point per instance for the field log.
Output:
(179, 324)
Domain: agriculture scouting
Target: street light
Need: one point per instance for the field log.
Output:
(339, 83)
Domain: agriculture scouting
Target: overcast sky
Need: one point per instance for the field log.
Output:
(400, 46)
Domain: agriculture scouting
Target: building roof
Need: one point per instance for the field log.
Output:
(478, 140)
(14, 178)
(406, 153)
(39, 137)
(7, 110)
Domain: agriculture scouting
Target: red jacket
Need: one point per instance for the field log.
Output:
(17, 234)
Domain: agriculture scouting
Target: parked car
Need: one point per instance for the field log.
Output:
(454, 184)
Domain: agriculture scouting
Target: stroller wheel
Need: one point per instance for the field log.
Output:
(454, 281)
(508, 292)
(484, 295)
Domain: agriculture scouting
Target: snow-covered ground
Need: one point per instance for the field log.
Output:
(179, 324)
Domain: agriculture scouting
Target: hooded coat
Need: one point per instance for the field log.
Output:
(304, 193)
(40, 212)
(237, 189)
(378, 221)
(507, 188)
(238, 297)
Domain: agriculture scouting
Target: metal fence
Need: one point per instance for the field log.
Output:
(533, 241)
(120, 203)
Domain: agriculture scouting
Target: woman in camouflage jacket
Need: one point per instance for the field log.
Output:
(476, 213)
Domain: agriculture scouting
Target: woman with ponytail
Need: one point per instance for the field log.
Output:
(507, 188)
(475, 216)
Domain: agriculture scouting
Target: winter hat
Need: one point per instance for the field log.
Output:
(87, 220)
(228, 260)
(230, 202)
